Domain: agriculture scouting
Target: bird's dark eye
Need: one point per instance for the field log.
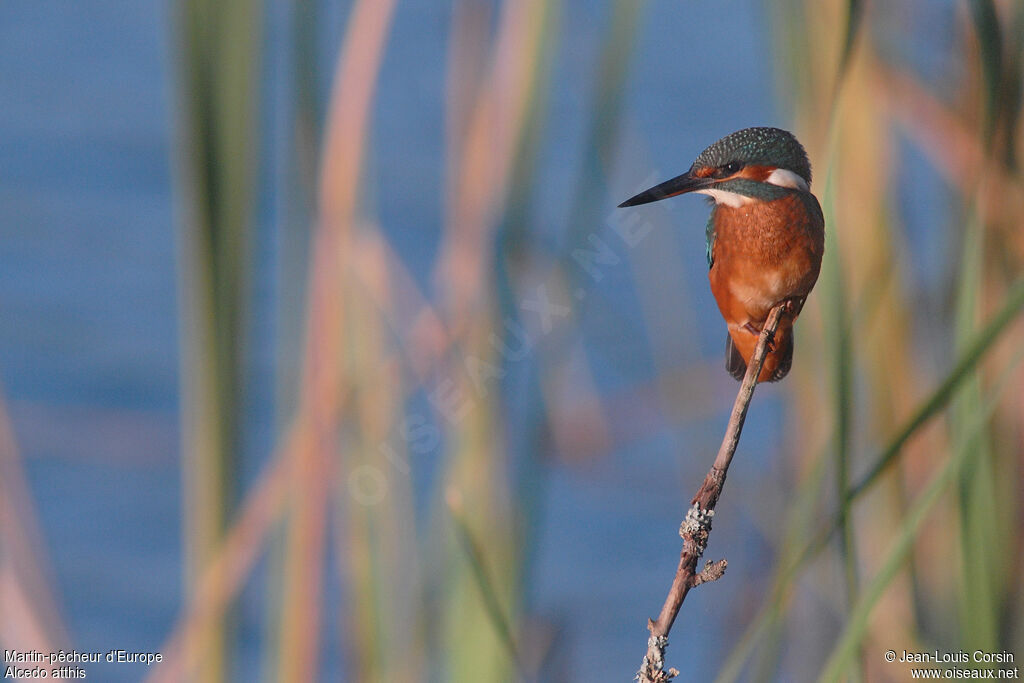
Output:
(729, 169)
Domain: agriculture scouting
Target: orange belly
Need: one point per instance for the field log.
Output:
(765, 253)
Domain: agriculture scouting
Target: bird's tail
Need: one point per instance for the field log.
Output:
(776, 363)
(734, 362)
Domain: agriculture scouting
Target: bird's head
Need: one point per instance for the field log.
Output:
(753, 164)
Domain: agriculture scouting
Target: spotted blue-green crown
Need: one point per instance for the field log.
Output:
(760, 146)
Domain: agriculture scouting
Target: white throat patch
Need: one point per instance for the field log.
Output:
(785, 178)
(728, 198)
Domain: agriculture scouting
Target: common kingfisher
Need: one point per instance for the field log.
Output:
(765, 237)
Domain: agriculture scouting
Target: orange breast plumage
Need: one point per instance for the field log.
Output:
(764, 253)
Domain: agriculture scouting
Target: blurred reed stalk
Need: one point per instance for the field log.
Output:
(31, 618)
(376, 538)
(219, 48)
(488, 123)
(299, 474)
(327, 374)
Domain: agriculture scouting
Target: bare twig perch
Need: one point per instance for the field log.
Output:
(697, 525)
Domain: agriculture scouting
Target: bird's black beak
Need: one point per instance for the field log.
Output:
(687, 182)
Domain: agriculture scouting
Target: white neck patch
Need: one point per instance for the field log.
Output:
(728, 198)
(785, 178)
